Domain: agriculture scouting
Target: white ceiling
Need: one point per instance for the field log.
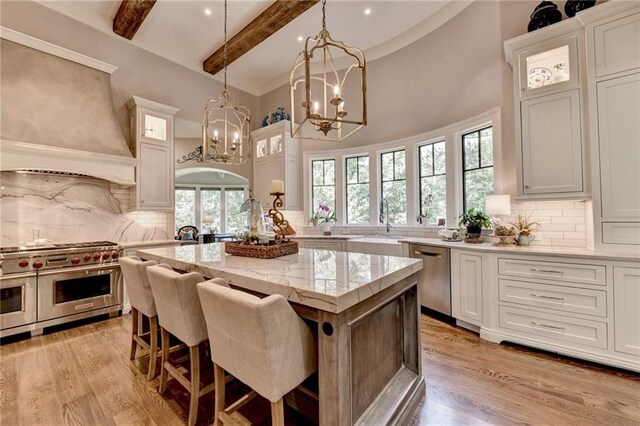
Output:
(180, 31)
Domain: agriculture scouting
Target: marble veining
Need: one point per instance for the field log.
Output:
(323, 279)
(65, 209)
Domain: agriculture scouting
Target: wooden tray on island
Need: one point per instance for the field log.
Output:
(270, 251)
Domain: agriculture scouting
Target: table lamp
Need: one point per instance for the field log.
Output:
(498, 206)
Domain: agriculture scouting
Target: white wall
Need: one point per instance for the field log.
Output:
(452, 74)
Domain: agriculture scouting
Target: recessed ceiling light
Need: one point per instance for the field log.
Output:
(367, 11)
(300, 38)
(207, 12)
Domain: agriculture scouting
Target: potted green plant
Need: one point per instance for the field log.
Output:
(474, 220)
(524, 228)
(326, 217)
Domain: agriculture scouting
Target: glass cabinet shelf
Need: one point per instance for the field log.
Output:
(549, 67)
(155, 127)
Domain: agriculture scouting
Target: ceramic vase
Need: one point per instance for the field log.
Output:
(326, 228)
(525, 240)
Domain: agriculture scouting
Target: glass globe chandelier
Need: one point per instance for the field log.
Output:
(226, 124)
(319, 89)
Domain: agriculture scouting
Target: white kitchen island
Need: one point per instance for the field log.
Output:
(368, 321)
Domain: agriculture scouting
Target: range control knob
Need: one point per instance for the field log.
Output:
(96, 256)
(75, 261)
(23, 264)
(105, 256)
(114, 255)
(37, 264)
(87, 257)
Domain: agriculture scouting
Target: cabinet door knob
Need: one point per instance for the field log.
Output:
(526, 186)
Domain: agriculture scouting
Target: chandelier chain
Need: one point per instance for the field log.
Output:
(225, 45)
(324, 14)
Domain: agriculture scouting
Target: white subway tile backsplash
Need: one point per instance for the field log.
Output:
(568, 243)
(574, 220)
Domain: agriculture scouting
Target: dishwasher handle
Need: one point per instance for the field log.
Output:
(426, 253)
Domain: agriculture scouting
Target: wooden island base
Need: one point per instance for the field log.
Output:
(369, 359)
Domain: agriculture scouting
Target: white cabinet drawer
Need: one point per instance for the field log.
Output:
(556, 271)
(555, 329)
(559, 298)
(617, 45)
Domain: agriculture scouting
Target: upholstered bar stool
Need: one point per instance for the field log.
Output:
(180, 314)
(261, 342)
(141, 299)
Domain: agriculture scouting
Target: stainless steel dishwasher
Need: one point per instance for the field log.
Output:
(434, 280)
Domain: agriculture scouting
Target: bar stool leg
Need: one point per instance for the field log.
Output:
(194, 354)
(134, 333)
(164, 360)
(277, 413)
(219, 395)
(153, 356)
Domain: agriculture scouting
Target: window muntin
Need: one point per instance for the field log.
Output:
(357, 189)
(433, 181)
(393, 184)
(477, 167)
(233, 202)
(323, 184)
(185, 212)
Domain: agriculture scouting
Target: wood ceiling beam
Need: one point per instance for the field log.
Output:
(276, 16)
(130, 16)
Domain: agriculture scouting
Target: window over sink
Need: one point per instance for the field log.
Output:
(323, 184)
(357, 188)
(394, 184)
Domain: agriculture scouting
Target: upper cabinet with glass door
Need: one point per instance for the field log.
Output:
(270, 142)
(549, 66)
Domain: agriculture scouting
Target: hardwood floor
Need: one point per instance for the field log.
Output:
(83, 376)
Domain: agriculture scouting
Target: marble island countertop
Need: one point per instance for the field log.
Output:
(327, 280)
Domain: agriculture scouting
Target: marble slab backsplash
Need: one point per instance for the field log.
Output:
(65, 209)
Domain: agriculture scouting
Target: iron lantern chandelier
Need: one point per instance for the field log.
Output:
(226, 124)
(318, 89)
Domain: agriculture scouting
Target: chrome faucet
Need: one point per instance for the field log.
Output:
(384, 211)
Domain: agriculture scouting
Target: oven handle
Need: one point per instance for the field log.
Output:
(22, 301)
(80, 269)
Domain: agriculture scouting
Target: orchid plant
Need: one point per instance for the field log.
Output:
(323, 214)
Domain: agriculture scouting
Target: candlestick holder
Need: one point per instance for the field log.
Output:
(280, 224)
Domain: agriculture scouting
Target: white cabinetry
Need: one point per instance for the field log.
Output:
(552, 144)
(467, 288)
(550, 140)
(276, 158)
(613, 68)
(152, 144)
(626, 293)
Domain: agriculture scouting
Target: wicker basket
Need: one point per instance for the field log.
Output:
(271, 251)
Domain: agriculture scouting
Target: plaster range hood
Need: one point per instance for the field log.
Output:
(57, 112)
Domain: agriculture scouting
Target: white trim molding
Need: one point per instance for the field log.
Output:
(55, 50)
(15, 156)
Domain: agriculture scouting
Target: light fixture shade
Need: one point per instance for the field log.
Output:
(328, 90)
(498, 205)
(226, 131)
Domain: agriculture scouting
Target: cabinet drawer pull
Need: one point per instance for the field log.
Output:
(542, 296)
(539, 324)
(546, 271)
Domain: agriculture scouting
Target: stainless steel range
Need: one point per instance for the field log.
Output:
(50, 285)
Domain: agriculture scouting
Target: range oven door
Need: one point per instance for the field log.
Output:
(73, 291)
(17, 300)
